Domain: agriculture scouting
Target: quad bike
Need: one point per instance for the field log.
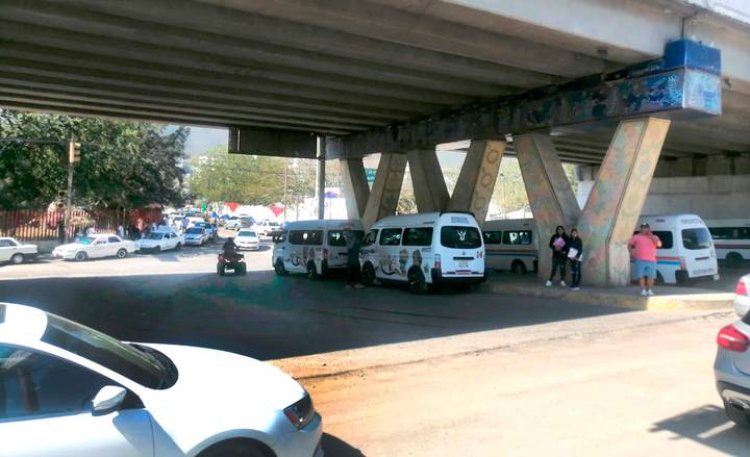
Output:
(234, 262)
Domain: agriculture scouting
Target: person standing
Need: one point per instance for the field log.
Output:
(643, 248)
(352, 259)
(575, 252)
(559, 245)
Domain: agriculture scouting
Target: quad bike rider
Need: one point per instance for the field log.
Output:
(230, 259)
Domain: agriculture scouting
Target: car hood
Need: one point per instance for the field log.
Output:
(221, 380)
(71, 246)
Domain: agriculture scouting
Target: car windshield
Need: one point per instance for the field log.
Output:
(146, 367)
(86, 240)
(194, 231)
(460, 237)
(155, 236)
(247, 233)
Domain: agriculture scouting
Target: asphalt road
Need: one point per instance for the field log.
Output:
(550, 378)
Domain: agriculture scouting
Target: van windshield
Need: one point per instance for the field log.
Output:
(456, 237)
(696, 238)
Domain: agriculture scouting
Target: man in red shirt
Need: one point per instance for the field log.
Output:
(643, 248)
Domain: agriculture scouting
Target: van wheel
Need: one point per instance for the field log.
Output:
(518, 268)
(659, 279)
(682, 278)
(312, 271)
(368, 274)
(279, 268)
(417, 283)
(734, 260)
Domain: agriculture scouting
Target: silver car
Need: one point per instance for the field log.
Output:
(732, 370)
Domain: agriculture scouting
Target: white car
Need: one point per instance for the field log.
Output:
(14, 252)
(160, 241)
(247, 240)
(267, 228)
(69, 390)
(742, 297)
(196, 236)
(95, 247)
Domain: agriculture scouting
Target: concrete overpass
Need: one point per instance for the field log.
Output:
(399, 77)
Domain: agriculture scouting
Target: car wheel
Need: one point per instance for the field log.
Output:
(279, 268)
(178, 247)
(518, 268)
(237, 448)
(17, 259)
(242, 269)
(368, 274)
(312, 271)
(81, 256)
(737, 415)
(122, 253)
(734, 260)
(417, 283)
(157, 250)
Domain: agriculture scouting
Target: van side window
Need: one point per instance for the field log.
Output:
(730, 233)
(494, 237)
(390, 237)
(336, 238)
(313, 237)
(418, 236)
(667, 240)
(295, 237)
(369, 240)
(517, 237)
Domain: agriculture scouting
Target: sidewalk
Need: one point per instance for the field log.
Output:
(667, 298)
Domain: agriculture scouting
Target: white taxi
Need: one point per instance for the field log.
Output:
(95, 247)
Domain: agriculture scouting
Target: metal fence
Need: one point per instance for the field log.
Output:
(36, 225)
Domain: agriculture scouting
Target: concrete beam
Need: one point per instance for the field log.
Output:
(430, 190)
(550, 194)
(386, 189)
(356, 189)
(284, 143)
(399, 26)
(255, 37)
(476, 181)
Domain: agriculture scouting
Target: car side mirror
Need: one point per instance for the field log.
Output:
(108, 400)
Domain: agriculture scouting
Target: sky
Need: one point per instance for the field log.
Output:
(201, 139)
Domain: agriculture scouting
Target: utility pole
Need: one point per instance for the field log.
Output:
(74, 156)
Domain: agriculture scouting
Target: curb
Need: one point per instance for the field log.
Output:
(697, 301)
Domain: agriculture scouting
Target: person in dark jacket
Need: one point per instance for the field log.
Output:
(352, 259)
(575, 252)
(559, 243)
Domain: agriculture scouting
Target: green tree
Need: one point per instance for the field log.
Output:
(220, 176)
(128, 164)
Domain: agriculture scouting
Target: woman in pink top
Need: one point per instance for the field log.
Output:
(643, 249)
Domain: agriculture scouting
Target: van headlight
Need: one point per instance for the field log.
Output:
(301, 413)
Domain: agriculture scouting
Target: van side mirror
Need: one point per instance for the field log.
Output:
(108, 400)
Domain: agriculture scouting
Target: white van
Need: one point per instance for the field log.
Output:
(511, 244)
(731, 240)
(687, 250)
(313, 247)
(424, 249)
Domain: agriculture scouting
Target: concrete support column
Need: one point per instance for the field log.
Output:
(386, 189)
(356, 190)
(617, 198)
(550, 194)
(430, 190)
(477, 179)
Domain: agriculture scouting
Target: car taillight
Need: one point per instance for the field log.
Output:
(732, 339)
(438, 264)
(741, 288)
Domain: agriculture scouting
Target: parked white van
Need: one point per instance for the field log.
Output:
(731, 240)
(687, 250)
(424, 249)
(511, 244)
(313, 247)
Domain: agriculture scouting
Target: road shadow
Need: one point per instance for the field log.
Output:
(270, 317)
(334, 447)
(709, 426)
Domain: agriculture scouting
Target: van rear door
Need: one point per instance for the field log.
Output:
(462, 251)
(698, 251)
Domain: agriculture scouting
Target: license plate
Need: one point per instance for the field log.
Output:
(463, 264)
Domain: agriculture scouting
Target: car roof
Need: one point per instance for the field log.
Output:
(21, 324)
